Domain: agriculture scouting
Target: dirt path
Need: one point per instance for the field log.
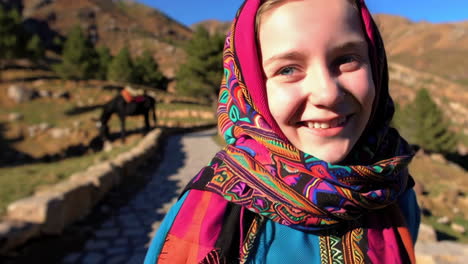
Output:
(121, 227)
(124, 237)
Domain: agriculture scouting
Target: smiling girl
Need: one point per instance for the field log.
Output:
(312, 171)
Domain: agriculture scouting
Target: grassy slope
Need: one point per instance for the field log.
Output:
(20, 181)
(439, 180)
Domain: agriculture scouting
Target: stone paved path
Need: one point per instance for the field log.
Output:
(442, 252)
(124, 237)
(122, 227)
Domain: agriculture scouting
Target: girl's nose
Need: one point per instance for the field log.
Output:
(323, 89)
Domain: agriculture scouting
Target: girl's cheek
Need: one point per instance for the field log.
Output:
(282, 98)
(281, 91)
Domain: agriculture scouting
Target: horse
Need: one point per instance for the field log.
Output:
(124, 108)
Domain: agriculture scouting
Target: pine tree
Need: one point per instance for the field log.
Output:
(121, 67)
(35, 49)
(104, 58)
(78, 58)
(11, 34)
(147, 71)
(202, 73)
(423, 123)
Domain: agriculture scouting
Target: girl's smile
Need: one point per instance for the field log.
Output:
(318, 75)
(325, 127)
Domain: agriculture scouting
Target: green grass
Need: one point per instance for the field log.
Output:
(443, 228)
(463, 139)
(186, 120)
(38, 111)
(437, 177)
(22, 181)
(178, 106)
(463, 82)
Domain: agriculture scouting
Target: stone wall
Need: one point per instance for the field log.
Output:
(430, 251)
(52, 210)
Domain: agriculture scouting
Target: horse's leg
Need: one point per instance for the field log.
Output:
(153, 109)
(147, 124)
(104, 132)
(122, 127)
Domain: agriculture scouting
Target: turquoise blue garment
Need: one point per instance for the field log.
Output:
(158, 240)
(277, 243)
(410, 209)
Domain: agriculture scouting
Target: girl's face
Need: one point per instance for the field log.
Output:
(318, 75)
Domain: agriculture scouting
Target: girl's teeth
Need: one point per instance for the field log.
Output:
(333, 123)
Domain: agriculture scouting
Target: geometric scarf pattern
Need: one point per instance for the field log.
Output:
(266, 174)
(262, 172)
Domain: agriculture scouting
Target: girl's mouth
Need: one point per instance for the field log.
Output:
(326, 128)
(333, 123)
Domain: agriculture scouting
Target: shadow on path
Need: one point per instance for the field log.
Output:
(127, 213)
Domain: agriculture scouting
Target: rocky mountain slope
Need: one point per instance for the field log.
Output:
(431, 56)
(114, 24)
(435, 48)
(213, 26)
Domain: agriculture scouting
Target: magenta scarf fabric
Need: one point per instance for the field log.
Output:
(261, 172)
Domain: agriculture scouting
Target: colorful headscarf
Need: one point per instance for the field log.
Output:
(262, 172)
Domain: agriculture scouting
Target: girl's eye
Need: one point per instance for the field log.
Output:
(346, 59)
(287, 70)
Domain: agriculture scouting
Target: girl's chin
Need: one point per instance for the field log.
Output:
(333, 152)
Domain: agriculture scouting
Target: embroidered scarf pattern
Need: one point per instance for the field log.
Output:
(266, 174)
(262, 172)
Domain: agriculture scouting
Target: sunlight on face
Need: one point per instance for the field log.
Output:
(318, 76)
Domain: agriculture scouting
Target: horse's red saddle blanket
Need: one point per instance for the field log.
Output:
(128, 97)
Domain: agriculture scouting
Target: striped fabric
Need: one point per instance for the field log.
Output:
(261, 178)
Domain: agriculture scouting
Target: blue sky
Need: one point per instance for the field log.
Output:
(437, 11)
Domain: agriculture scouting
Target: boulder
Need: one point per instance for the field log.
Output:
(458, 228)
(58, 133)
(45, 93)
(44, 126)
(15, 116)
(45, 210)
(441, 252)
(438, 158)
(462, 149)
(445, 220)
(427, 233)
(62, 94)
(19, 93)
(14, 233)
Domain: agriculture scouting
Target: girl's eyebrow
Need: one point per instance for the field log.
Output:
(351, 45)
(295, 55)
(288, 55)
